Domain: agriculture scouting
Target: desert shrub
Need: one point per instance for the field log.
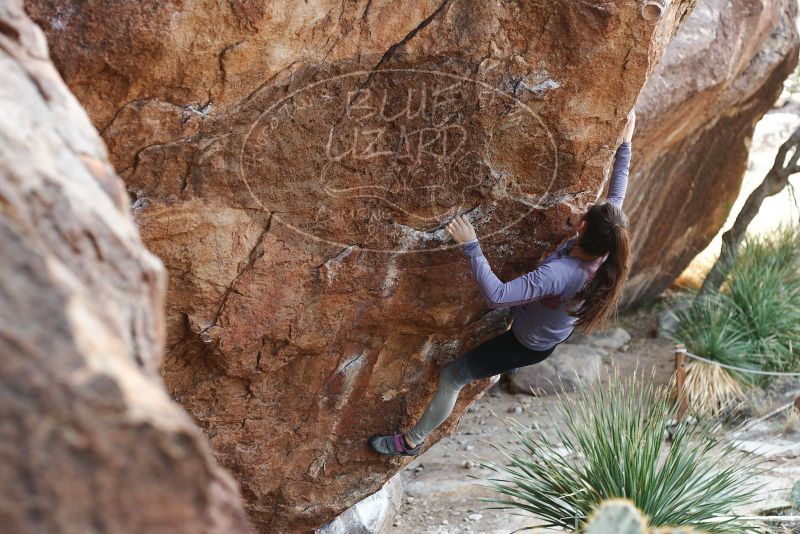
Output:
(753, 322)
(709, 326)
(612, 445)
(764, 289)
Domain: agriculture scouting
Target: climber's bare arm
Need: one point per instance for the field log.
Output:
(622, 160)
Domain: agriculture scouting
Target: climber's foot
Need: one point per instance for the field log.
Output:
(393, 445)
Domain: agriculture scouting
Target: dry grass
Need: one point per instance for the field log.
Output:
(791, 421)
(709, 388)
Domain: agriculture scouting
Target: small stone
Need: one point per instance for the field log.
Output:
(475, 517)
(514, 409)
(444, 522)
(668, 320)
(409, 500)
(469, 447)
(469, 464)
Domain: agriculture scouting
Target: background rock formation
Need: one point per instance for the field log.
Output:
(372, 515)
(89, 439)
(697, 112)
(295, 196)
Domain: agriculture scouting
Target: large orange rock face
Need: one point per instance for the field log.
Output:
(89, 439)
(293, 164)
(697, 112)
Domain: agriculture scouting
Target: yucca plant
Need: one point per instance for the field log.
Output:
(752, 323)
(710, 389)
(764, 289)
(612, 445)
(709, 327)
(780, 247)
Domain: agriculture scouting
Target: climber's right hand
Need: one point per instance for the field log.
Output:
(460, 229)
(627, 134)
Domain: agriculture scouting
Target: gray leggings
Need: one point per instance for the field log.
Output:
(498, 355)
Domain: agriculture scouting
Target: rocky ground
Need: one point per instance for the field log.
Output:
(443, 489)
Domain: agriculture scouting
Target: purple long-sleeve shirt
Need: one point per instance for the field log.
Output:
(542, 298)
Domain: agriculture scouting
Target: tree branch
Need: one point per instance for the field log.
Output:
(776, 179)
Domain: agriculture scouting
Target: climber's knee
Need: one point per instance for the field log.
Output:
(452, 376)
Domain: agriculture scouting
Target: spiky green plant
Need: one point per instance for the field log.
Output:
(612, 445)
(780, 248)
(753, 322)
(764, 290)
(709, 326)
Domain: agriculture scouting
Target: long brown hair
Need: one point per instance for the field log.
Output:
(605, 234)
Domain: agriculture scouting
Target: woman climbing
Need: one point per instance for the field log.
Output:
(578, 285)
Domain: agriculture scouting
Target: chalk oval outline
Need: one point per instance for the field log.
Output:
(443, 246)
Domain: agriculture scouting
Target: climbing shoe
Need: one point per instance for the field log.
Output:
(393, 445)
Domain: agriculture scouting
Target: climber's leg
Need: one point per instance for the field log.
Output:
(498, 355)
(495, 356)
(501, 355)
(452, 378)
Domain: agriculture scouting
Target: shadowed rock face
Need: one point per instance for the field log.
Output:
(718, 77)
(296, 197)
(89, 439)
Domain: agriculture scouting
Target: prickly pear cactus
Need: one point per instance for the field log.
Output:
(618, 516)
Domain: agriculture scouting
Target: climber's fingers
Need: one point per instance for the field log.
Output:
(462, 224)
(460, 229)
(451, 228)
(630, 126)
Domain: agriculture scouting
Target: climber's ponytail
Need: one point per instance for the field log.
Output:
(605, 234)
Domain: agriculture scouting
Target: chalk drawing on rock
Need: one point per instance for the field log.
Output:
(394, 153)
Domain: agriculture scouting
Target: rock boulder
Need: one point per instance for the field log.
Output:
(609, 339)
(89, 439)
(718, 77)
(372, 515)
(571, 367)
(292, 165)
